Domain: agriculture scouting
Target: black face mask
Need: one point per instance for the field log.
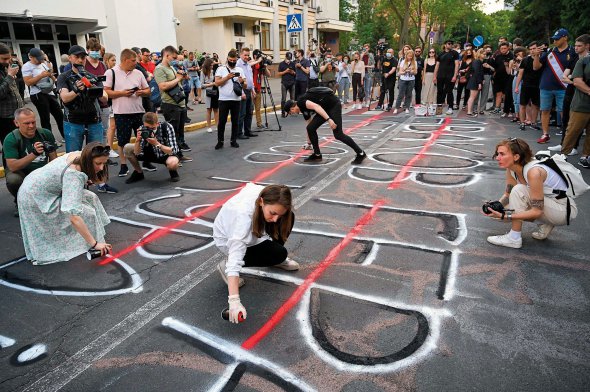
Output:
(231, 63)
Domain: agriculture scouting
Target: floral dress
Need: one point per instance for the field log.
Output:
(46, 200)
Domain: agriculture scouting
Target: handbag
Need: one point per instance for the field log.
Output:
(212, 92)
(176, 93)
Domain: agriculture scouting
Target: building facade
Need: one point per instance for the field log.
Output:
(55, 25)
(215, 26)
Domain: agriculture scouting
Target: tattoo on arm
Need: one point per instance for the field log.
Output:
(509, 188)
(504, 200)
(539, 204)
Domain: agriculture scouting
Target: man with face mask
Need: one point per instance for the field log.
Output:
(10, 99)
(445, 75)
(328, 71)
(287, 73)
(229, 101)
(302, 66)
(388, 67)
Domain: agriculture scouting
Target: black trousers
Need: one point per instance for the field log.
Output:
(508, 99)
(176, 116)
(267, 253)
(233, 109)
(387, 85)
(47, 104)
(444, 88)
(335, 113)
(300, 88)
(462, 87)
(6, 126)
(313, 83)
(418, 89)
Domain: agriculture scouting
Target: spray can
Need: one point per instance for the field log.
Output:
(93, 253)
(225, 315)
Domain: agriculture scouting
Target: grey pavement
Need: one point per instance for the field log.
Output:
(417, 300)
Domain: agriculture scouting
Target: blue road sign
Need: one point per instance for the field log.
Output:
(478, 41)
(431, 35)
(294, 23)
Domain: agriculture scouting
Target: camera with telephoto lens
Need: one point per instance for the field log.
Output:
(492, 205)
(146, 133)
(48, 147)
(90, 81)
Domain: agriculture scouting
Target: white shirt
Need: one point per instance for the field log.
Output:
(30, 69)
(405, 76)
(232, 229)
(226, 91)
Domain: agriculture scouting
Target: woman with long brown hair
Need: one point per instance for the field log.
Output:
(462, 78)
(110, 60)
(211, 92)
(251, 229)
(60, 219)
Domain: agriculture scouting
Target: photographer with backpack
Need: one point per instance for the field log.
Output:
(327, 108)
(535, 191)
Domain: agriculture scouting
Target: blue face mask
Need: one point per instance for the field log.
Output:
(174, 63)
(388, 55)
(94, 54)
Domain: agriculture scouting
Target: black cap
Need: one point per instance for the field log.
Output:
(287, 106)
(37, 53)
(449, 41)
(77, 50)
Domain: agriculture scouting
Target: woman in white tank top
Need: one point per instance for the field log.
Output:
(532, 192)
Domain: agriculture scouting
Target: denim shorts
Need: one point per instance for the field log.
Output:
(194, 82)
(547, 99)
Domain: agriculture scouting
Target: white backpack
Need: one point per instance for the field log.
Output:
(568, 172)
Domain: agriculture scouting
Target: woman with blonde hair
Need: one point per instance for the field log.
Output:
(211, 92)
(407, 70)
(474, 76)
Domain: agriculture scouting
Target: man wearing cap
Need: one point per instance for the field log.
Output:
(553, 63)
(327, 108)
(41, 82)
(81, 111)
(10, 99)
(445, 75)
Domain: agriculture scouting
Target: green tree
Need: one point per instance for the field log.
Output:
(347, 14)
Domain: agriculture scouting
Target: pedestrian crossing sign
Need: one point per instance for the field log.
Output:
(294, 23)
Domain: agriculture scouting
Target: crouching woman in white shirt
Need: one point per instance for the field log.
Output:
(251, 229)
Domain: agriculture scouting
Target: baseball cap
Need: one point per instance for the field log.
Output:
(37, 53)
(287, 106)
(560, 33)
(449, 41)
(77, 50)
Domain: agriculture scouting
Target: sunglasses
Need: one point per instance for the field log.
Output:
(103, 150)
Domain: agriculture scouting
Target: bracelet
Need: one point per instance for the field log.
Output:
(328, 119)
(502, 218)
(95, 243)
(509, 216)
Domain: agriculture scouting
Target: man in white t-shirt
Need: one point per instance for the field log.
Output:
(40, 78)
(229, 101)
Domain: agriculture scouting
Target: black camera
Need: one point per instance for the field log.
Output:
(382, 46)
(91, 82)
(492, 205)
(146, 133)
(48, 147)
(265, 57)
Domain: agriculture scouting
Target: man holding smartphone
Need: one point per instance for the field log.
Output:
(229, 101)
(10, 99)
(125, 85)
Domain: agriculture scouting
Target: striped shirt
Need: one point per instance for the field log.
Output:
(164, 135)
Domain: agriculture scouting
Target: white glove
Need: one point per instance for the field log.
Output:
(235, 308)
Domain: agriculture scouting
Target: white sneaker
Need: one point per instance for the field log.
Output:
(221, 269)
(113, 154)
(573, 152)
(407, 111)
(543, 231)
(555, 148)
(209, 130)
(307, 146)
(395, 111)
(505, 240)
(288, 265)
(366, 105)
(449, 111)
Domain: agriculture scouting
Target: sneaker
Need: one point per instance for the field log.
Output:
(250, 134)
(313, 158)
(187, 121)
(135, 177)
(113, 154)
(573, 152)
(184, 147)
(288, 265)
(542, 232)
(471, 114)
(555, 148)
(504, 115)
(174, 176)
(359, 158)
(395, 111)
(147, 166)
(234, 144)
(221, 269)
(449, 111)
(261, 127)
(559, 133)
(481, 112)
(124, 170)
(534, 126)
(189, 109)
(307, 146)
(185, 159)
(544, 139)
(219, 145)
(379, 107)
(455, 107)
(106, 188)
(584, 162)
(243, 137)
(209, 130)
(505, 240)
(407, 111)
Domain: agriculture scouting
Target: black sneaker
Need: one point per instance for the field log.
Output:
(184, 147)
(147, 166)
(174, 176)
(187, 120)
(135, 177)
(359, 158)
(15, 213)
(379, 107)
(313, 158)
(522, 127)
(106, 188)
(388, 109)
(124, 170)
(234, 144)
(219, 145)
(243, 137)
(251, 134)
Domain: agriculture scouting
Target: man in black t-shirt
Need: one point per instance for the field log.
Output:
(287, 73)
(327, 107)
(418, 83)
(388, 67)
(445, 75)
(529, 90)
(500, 63)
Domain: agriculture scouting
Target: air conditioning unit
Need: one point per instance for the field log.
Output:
(256, 29)
(295, 41)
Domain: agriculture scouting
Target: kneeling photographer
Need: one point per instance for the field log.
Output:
(534, 192)
(155, 143)
(26, 149)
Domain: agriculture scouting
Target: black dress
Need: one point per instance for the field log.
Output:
(474, 75)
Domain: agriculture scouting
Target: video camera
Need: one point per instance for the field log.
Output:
(382, 45)
(266, 58)
(92, 90)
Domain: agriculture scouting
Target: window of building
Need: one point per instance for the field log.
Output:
(239, 29)
(283, 37)
(43, 32)
(23, 31)
(265, 36)
(61, 32)
(4, 31)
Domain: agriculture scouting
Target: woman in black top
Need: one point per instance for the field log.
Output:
(462, 79)
(474, 81)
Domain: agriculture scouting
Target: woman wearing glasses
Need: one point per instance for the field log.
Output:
(60, 219)
(429, 88)
(534, 192)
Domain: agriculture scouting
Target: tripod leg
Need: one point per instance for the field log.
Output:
(272, 101)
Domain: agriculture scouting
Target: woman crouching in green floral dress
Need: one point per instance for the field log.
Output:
(59, 218)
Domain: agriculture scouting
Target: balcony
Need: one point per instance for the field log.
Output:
(245, 9)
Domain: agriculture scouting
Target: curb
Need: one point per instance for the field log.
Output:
(193, 127)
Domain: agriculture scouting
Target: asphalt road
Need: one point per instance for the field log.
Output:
(398, 289)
